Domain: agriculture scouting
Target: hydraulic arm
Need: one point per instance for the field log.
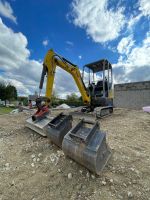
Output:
(51, 61)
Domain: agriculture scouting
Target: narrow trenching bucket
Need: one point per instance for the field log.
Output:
(58, 127)
(87, 146)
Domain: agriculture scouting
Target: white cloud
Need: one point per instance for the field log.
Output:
(80, 57)
(113, 49)
(133, 21)
(14, 45)
(144, 7)
(139, 56)
(125, 45)
(134, 61)
(70, 43)
(15, 63)
(45, 42)
(101, 24)
(24, 72)
(64, 83)
(134, 66)
(7, 11)
(19, 85)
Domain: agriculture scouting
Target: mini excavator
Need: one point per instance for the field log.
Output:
(98, 94)
(84, 143)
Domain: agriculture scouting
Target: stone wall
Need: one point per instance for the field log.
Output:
(132, 95)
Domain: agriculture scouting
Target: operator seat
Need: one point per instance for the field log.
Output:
(99, 88)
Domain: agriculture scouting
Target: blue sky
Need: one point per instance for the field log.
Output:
(81, 30)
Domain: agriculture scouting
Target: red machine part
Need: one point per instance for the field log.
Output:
(40, 113)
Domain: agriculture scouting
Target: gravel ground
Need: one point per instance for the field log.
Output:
(31, 168)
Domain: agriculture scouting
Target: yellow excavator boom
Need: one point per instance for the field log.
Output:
(51, 61)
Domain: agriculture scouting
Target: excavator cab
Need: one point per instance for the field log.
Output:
(99, 75)
(99, 85)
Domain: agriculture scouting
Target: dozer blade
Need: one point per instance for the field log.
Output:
(38, 126)
(58, 127)
(87, 146)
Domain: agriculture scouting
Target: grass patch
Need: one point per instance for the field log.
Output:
(5, 110)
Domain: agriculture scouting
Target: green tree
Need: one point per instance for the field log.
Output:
(74, 100)
(2, 91)
(54, 98)
(73, 97)
(11, 92)
(7, 92)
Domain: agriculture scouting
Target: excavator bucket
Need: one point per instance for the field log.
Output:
(38, 125)
(39, 119)
(58, 127)
(87, 146)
